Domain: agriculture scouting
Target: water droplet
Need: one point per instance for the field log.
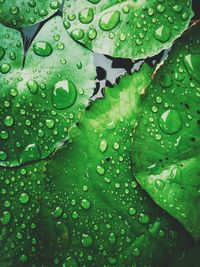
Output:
(3, 155)
(177, 8)
(42, 49)
(70, 262)
(57, 212)
(116, 145)
(162, 34)
(160, 184)
(92, 33)
(170, 121)
(4, 135)
(5, 68)
(85, 204)
(87, 241)
(24, 198)
(100, 170)
(109, 20)
(6, 217)
(132, 211)
(160, 8)
(32, 86)
(77, 34)
(49, 123)
(103, 145)
(64, 94)
(144, 218)
(86, 15)
(9, 121)
(136, 252)
(112, 239)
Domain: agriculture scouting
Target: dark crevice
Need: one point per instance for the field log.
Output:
(111, 69)
(196, 9)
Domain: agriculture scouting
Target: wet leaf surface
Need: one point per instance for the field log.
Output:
(20, 13)
(40, 102)
(20, 215)
(129, 29)
(91, 194)
(166, 145)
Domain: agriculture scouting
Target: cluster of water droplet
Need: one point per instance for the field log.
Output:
(25, 13)
(146, 25)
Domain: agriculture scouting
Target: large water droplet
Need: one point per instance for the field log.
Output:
(103, 145)
(32, 86)
(109, 20)
(87, 241)
(170, 121)
(162, 34)
(9, 121)
(70, 262)
(64, 94)
(42, 49)
(24, 198)
(100, 170)
(57, 212)
(6, 217)
(5, 68)
(86, 15)
(85, 204)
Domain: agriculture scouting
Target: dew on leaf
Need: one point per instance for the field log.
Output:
(24, 198)
(64, 94)
(109, 20)
(43, 49)
(170, 121)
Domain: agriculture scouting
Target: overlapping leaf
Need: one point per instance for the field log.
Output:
(20, 13)
(166, 146)
(127, 28)
(40, 102)
(99, 213)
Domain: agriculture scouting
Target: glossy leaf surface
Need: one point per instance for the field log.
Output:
(166, 145)
(127, 28)
(102, 213)
(40, 102)
(19, 13)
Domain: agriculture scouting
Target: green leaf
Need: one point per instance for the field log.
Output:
(166, 145)
(127, 28)
(20, 215)
(20, 13)
(103, 215)
(40, 102)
